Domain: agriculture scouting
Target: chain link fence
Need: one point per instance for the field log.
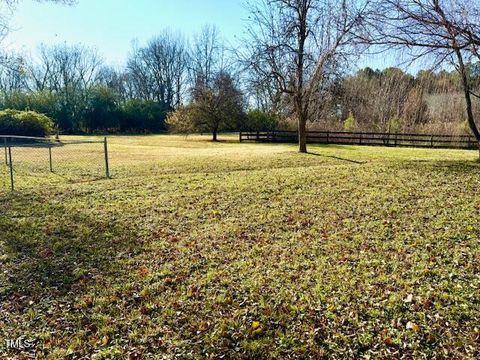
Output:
(29, 161)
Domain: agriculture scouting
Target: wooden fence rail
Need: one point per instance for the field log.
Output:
(365, 138)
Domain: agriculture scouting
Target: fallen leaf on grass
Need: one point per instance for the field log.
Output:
(144, 271)
(256, 328)
(145, 292)
(105, 340)
(388, 341)
(413, 326)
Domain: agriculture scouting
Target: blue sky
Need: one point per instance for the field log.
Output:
(111, 25)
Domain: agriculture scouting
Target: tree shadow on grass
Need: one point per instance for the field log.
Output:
(338, 158)
(45, 255)
(451, 166)
(343, 147)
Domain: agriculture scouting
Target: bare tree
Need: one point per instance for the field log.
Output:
(207, 56)
(297, 43)
(67, 72)
(217, 107)
(62, 66)
(159, 70)
(262, 92)
(117, 80)
(389, 100)
(444, 31)
(13, 74)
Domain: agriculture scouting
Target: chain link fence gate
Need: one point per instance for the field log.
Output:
(30, 161)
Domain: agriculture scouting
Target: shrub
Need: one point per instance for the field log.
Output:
(349, 124)
(102, 111)
(258, 120)
(394, 125)
(24, 123)
(181, 120)
(143, 116)
(466, 130)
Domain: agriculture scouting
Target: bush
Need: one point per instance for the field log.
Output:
(258, 120)
(102, 111)
(350, 124)
(24, 123)
(181, 120)
(394, 125)
(143, 116)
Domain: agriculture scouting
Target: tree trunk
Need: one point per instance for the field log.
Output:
(215, 134)
(468, 98)
(302, 134)
(300, 73)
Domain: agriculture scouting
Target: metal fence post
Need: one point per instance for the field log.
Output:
(6, 151)
(11, 168)
(105, 147)
(50, 158)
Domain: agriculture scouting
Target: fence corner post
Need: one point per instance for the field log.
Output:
(6, 150)
(105, 148)
(240, 136)
(12, 184)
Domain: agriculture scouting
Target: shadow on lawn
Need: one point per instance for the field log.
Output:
(452, 166)
(338, 158)
(47, 255)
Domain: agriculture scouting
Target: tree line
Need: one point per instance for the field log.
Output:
(392, 100)
(73, 85)
(292, 70)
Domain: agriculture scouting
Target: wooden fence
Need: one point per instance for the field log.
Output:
(364, 138)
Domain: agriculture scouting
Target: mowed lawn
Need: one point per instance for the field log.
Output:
(197, 249)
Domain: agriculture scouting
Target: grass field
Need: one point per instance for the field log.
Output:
(206, 250)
